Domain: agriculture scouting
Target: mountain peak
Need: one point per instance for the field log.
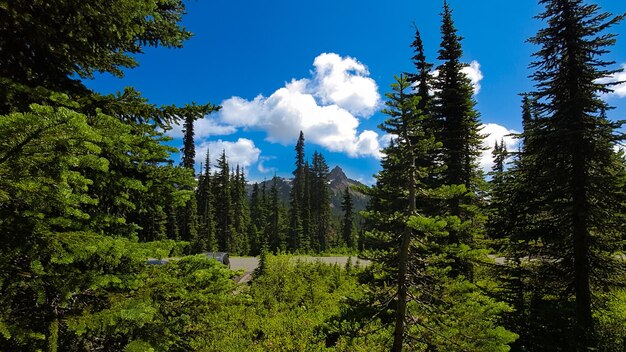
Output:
(337, 175)
(338, 179)
(337, 182)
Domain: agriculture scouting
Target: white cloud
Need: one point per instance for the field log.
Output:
(345, 82)
(495, 133)
(243, 152)
(203, 128)
(619, 90)
(326, 108)
(475, 75)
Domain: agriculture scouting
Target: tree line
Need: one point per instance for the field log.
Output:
(220, 216)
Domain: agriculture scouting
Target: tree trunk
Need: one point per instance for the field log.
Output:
(398, 335)
(584, 318)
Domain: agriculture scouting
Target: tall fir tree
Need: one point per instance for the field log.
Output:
(576, 177)
(454, 108)
(305, 210)
(273, 231)
(511, 220)
(348, 233)
(498, 196)
(188, 218)
(320, 204)
(240, 213)
(189, 148)
(408, 236)
(257, 219)
(206, 231)
(423, 82)
(223, 204)
(422, 78)
(296, 197)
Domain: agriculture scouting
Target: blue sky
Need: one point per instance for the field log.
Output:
(280, 66)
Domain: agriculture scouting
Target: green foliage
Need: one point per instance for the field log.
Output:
(319, 195)
(206, 212)
(454, 109)
(310, 224)
(563, 199)
(297, 207)
(240, 214)
(348, 232)
(223, 205)
(294, 300)
(48, 42)
(167, 310)
(53, 173)
(611, 320)
(424, 217)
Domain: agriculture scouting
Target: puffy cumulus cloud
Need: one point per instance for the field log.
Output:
(326, 108)
(345, 82)
(619, 89)
(243, 152)
(475, 75)
(368, 143)
(203, 128)
(494, 132)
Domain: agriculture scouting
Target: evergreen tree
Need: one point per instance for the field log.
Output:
(79, 189)
(423, 84)
(408, 236)
(265, 214)
(511, 218)
(223, 205)
(257, 219)
(273, 233)
(573, 172)
(422, 78)
(461, 140)
(206, 232)
(63, 196)
(241, 213)
(189, 148)
(348, 234)
(296, 197)
(320, 204)
(188, 216)
(171, 229)
(74, 40)
(305, 212)
(402, 121)
(498, 196)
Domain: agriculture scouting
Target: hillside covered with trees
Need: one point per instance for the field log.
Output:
(529, 257)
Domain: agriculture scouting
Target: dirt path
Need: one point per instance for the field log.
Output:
(248, 264)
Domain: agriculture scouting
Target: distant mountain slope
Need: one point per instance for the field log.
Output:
(338, 181)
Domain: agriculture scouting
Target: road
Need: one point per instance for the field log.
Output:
(248, 264)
